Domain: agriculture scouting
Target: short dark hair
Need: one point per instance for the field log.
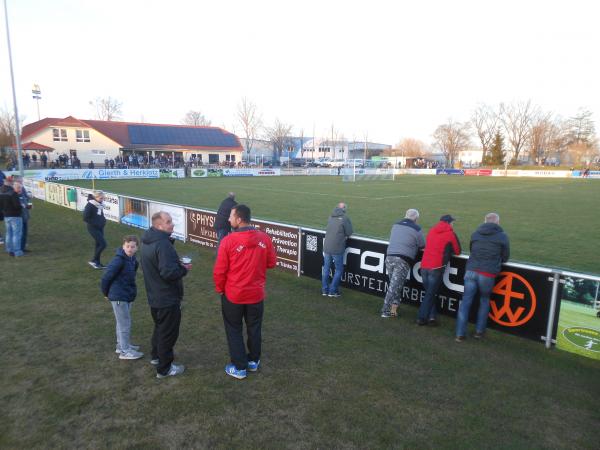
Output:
(242, 212)
(131, 238)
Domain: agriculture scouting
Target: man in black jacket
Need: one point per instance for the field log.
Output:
(222, 224)
(10, 207)
(93, 216)
(489, 249)
(163, 273)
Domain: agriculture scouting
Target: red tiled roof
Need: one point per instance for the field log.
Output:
(36, 146)
(116, 131)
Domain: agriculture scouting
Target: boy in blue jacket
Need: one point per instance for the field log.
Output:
(118, 286)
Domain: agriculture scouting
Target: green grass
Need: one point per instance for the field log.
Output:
(576, 315)
(335, 375)
(551, 222)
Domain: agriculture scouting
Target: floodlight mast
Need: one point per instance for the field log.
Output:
(12, 79)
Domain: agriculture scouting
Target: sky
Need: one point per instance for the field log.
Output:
(384, 70)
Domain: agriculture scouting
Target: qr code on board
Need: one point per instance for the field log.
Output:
(311, 243)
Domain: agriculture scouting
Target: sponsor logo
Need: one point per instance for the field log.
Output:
(513, 300)
(199, 172)
(586, 338)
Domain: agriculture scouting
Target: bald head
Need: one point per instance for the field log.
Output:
(231, 195)
(492, 218)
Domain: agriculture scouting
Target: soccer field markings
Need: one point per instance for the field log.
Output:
(301, 192)
(449, 192)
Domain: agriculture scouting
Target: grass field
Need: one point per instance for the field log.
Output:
(552, 222)
(576, 315)
(335, 375)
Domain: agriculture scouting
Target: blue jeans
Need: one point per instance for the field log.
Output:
(122, 312)
(432, 280)
(474, 283)
(14, 230)
(334, 287)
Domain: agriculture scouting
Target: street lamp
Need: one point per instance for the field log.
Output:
(37, 95)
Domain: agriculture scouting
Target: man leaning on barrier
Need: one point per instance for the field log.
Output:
(339, 229)
(489, 248)
(406, 239)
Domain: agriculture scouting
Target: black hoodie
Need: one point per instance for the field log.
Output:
(163, 272)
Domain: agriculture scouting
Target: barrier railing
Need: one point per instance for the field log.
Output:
(525, 300)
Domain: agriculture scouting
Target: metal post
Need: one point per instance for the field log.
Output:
(553, 300)
(12, 79)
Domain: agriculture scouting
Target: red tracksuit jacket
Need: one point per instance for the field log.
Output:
(243, 259)
(441, 243)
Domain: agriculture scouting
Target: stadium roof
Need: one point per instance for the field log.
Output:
(133, 135)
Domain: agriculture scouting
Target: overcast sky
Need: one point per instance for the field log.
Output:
(388, 69)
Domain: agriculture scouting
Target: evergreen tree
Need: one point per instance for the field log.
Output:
(495, 157)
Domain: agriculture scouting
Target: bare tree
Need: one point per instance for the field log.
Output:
(8, 127)
(451, 138)
(279, 135)
(107, 108)
(409, 147)
(516, 121)
(547, 136)
(195, 119)
(250, 122)
(485, 120)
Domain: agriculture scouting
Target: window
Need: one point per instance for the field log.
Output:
(230, 158)
(82, 135)
(59, 135)
(98, 152)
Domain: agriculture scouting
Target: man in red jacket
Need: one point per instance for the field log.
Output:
(239, 275)
(440, 245)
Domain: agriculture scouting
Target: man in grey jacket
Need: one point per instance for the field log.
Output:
(406, 239)
(339, 228)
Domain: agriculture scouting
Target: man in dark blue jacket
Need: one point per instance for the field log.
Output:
(163, 273)
(222, 225)
(93, 216)
(489, 249)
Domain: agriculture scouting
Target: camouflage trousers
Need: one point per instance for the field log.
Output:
(397, 270)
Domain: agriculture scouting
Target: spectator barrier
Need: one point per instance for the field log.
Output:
(526, 300)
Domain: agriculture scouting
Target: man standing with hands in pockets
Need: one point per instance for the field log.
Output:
(163, 277)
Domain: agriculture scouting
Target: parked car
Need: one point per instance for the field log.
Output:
(323, 162)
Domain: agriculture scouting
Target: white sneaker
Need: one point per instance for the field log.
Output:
(131, 354)
(154, 362)
(131, 346)
(176, 369)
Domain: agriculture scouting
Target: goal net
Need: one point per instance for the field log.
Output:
(368, 174)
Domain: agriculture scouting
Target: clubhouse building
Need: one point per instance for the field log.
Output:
(98, 140)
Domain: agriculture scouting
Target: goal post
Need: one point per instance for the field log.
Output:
(353, 174)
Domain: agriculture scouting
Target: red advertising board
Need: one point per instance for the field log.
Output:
(478, 172)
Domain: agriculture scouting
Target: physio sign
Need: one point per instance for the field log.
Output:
(519, 303)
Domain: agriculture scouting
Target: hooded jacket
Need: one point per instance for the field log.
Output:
(441, 244)
(222, 219)
(163, 272)
(489, 248)
(243, 259)
(94, 215)
(339, 228)
(406, 239)
(118, 281)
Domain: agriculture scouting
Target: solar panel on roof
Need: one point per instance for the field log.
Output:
(200, 137)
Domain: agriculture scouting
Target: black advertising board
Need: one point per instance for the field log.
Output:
(520, 302)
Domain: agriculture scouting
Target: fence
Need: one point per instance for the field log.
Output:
(525, 300)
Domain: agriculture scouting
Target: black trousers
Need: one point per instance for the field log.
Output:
(98, 235)
(164, 337)
(232, 318)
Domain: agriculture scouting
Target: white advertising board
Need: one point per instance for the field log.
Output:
(177, 214)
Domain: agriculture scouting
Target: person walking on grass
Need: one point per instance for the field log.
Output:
(25, 200)
(406, 239)
(163, 278)
(119, 287)
(441, 244)
(93, 216)
(489, 248)
(240, 275)
(339, 229)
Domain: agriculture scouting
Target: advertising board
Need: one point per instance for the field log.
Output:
(177, 214)
(519, 304)
(61, 195)
(134, 213)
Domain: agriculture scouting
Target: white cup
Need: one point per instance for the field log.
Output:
(186, 260)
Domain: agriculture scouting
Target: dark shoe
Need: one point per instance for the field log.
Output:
(478, 335)
(459, 339)
(433, 323)
(11, 253)
(421, 323)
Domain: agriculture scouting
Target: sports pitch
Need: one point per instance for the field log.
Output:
(551, 222)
